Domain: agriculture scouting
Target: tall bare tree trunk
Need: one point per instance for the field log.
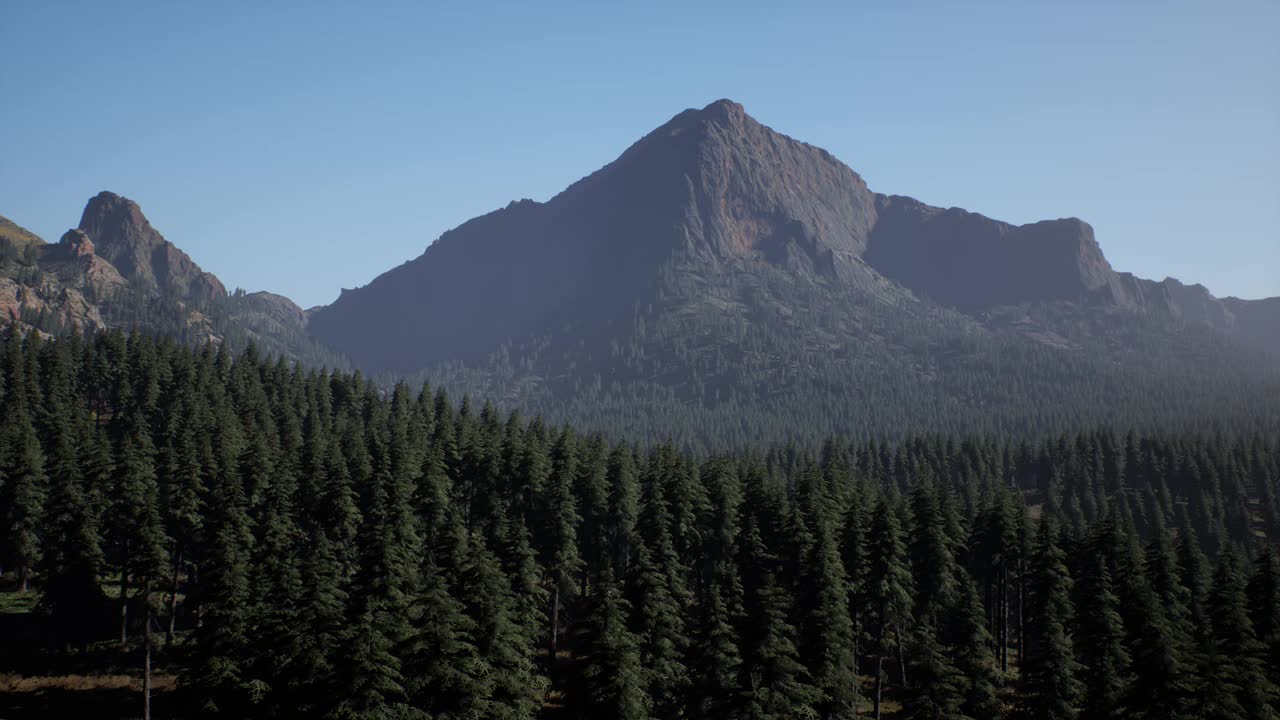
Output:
(23, 573)
(555, 621)
(879, 679)
(1002, 601)
(146, 644)
(124, 601)
(1022, 606)
(194, 581)
(173, 599)
(902, 658)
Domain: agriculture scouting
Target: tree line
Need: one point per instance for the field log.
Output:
(302, 542)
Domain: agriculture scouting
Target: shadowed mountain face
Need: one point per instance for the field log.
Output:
(713, 192)
(972, 263)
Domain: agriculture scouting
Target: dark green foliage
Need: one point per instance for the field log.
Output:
(511, 685)
(1237, 683)
(1100, 643)
(612, 677)
(888, 594)
(1052, 689)
(938, 690)
(776, 683)
(73, 557)
(321, 546)
(24, 488)
(1264, 606)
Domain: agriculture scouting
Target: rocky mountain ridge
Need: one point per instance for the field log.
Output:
(714, 188)
(116, 270)
(718, 283)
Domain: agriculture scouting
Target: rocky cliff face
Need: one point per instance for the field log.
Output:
(76, 265)
(124, 238)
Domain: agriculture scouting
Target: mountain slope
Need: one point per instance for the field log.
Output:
(16, 236)
(720, 273)
(116, 270)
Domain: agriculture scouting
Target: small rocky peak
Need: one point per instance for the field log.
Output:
(76, 243)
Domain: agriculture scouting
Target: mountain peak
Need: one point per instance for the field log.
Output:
(123, 236)
(724, 109)
(724, 114)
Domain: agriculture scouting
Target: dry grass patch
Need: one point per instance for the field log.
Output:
(14, 683)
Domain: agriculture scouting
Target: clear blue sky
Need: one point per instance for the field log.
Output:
(306, 147)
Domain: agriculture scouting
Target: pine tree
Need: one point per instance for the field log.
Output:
(969, 642)
(24, 483)
(1237, 684)
(373, 682)
(591, 490)
(514, 688)
(322, 613)
(889, 591)
(613, 680)
(827, 628)
(774, 679)
(136, 527)
(623, 510)
(1051, 685)
(1264, 605)
(932, 562)
(280, 640)
(1160, 688)
(1101, 645)
(714, 660)
(560, 520)
(659, 625)
(938, 686)
(444, 674)
(225, 627)
(73, 558)
(181, 501)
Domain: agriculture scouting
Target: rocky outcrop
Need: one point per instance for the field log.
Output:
(59, 304)
(76, 244)
(75, 265)
(271, 314)
(123, 236)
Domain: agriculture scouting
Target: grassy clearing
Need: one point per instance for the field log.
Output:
(14, 683)
(15, 603)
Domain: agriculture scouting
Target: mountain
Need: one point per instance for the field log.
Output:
(116, 271)
(718, 284)
(719, 274)
(150, 263)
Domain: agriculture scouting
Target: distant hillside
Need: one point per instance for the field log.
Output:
(17, 236)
